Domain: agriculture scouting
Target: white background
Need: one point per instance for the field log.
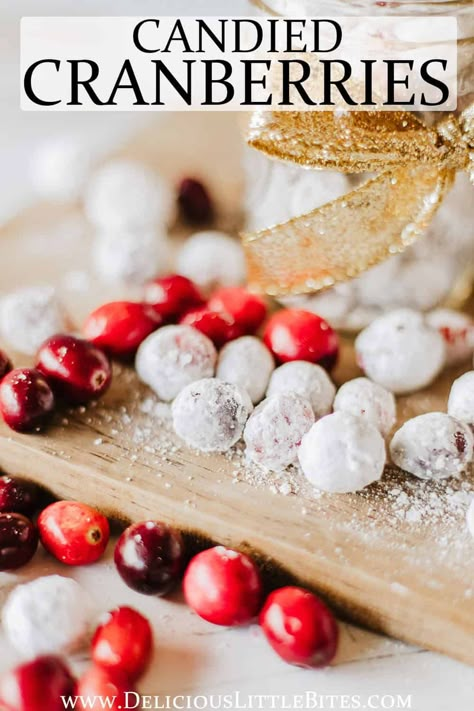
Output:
(192, 656)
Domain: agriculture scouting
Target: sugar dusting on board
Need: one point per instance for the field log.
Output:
(138, 432)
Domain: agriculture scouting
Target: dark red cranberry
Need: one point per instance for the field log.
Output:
(124, 642)
(5, 364)
(18, 541)
(77, 370)
(172, 296)
(150, 557)
(248, 310)
(194, 201)
(74, 533)
(102, 688)
(18, 496)
(120, 326)
(40, 685)
(223, 586)
(26, 399)
(294, 334)
(299, 627)
(219, 327)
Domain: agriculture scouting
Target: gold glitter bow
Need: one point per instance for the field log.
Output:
(343, 238)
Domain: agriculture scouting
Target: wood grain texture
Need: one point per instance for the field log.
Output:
(396, 557)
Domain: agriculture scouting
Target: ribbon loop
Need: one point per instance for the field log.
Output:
(345, 237)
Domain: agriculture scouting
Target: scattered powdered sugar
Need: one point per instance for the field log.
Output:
(421, 522)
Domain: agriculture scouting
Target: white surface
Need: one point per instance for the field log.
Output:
(193, 657)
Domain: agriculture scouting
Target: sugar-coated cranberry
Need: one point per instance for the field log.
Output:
(104, 688)
(120, 326)
(26, 399)
(18, 541)
(77, 370)
(248, 310)
(219, 327)
(150, 557)
(194, 201)
(294, 334)
(123, 642)
(5, 364)
(40, 685)
(299, 627)
(18, 495)
(223, 586)
(74, 533)
(172, 296)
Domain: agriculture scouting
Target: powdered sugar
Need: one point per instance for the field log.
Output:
(342, 453)
(248, 363)
(210, 414)
(400, 351)
(461, 399)
(363, 398)
(275, 429)
(433, 446)
(29, 316)
(173, 357)
(307, 380)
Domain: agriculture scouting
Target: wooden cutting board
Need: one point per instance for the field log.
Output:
(396, 557)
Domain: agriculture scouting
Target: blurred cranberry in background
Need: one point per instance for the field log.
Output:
(171, 296)
(194, 201)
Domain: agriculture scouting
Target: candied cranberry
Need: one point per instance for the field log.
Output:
(73, 533)
(76, 369)
(39, 685)
(223, 586)
(18, 541)
(219, 327)
(120, 326)
(19, 496)
(299, 627)
(102, 688)
(150, 557)
(26, 399)
(293, 334)
(194, 201)
(5, 364)
(172, 296)
(123, 642)
(248, 310)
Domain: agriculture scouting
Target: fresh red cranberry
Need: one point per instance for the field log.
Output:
(74, 533)
(293, 334)
(248, 310)
(172, 296)
(18, 541)
(26, 399)
(39, 685)
(100, 688)
(219, 327)
(223, 586)
(150, 557)
(120, 326)
(194, 201)
(5, 364)
(77, 370)
(299, 627)
(123, 642)
(19, 496)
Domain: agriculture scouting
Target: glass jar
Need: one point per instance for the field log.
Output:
(436, 270)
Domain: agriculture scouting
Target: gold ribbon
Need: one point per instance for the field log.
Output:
(343, 238)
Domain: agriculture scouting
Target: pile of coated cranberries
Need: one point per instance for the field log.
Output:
(74, 370)
(223, 586)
